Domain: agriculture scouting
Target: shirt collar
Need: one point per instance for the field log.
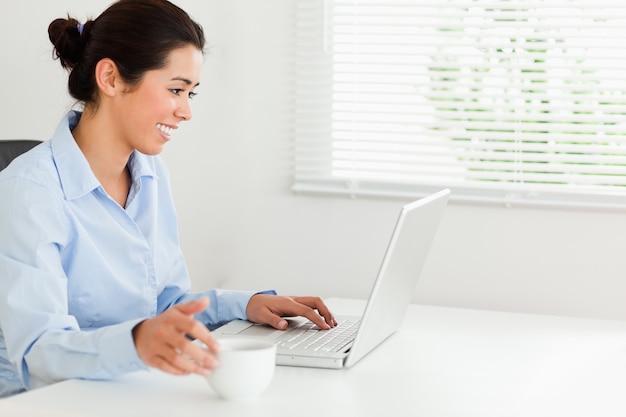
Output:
(76, 176)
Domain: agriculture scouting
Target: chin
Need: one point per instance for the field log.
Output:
(151, 151)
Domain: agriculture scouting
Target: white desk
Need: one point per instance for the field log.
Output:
(442, 362)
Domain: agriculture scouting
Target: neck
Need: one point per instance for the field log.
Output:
(107, 156)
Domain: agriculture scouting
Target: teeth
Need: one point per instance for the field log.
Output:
(167, 130)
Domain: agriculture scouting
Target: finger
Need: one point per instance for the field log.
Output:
(301, 308)
(270, 315)
(192, 307)
(316, 318)
(184, 363)
(165, 360)
(275, 321)
(324, 311)
(192, 327)
(199, 331)
(186, 358)
(195, 359)
(210, 343)
(200, 355)
(329, 318)
(165, 366)
(178, 355)
(318, 304)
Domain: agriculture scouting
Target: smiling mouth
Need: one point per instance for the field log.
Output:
(164, 129)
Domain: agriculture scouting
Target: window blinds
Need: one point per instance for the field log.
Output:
(504, 101)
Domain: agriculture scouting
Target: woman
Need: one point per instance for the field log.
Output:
(92, 280)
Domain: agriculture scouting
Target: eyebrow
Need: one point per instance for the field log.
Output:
(185, 80)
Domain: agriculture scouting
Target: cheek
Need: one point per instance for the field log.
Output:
(152, 98)
(160, 105)
(152, 108)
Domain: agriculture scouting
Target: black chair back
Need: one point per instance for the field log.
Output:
(10, 149)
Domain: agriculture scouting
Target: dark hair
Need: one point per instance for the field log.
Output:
(137, 35)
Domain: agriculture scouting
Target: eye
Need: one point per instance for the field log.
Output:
(176, 91)
(192, 95)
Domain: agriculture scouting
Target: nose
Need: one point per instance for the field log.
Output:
(184, 110)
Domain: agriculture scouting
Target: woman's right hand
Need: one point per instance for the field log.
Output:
(162, 341)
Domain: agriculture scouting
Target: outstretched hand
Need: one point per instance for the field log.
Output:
(162, 342)
(270, 309)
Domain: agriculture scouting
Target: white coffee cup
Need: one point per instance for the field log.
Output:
(246, 368)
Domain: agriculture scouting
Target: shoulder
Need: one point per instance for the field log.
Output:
(36, 166)
(39, 166)
(31, 197)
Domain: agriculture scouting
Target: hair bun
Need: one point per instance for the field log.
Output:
(67, 40)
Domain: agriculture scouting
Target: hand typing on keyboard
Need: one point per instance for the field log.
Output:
(270, 309)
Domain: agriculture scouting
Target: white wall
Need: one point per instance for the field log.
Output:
(242, 227)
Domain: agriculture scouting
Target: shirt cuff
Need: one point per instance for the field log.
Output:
(225, 306)
(118, 350)
(270, 292)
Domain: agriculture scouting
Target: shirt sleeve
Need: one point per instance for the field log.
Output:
(43, 341)
(224, 305)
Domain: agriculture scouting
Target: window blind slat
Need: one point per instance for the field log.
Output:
(484, 97)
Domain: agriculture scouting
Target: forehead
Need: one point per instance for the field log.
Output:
(182, 64)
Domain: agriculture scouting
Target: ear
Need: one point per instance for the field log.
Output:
(108, 77)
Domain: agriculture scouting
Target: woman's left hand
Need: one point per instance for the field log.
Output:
(270, 309)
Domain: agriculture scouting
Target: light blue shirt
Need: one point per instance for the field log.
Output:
(78, 272)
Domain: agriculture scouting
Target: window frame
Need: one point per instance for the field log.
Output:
(315, 146)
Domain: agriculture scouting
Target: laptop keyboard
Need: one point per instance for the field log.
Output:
(309, 336)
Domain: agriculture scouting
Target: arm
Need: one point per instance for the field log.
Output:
(162, 341)
(43, 341)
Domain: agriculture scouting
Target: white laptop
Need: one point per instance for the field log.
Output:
(304, 344)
